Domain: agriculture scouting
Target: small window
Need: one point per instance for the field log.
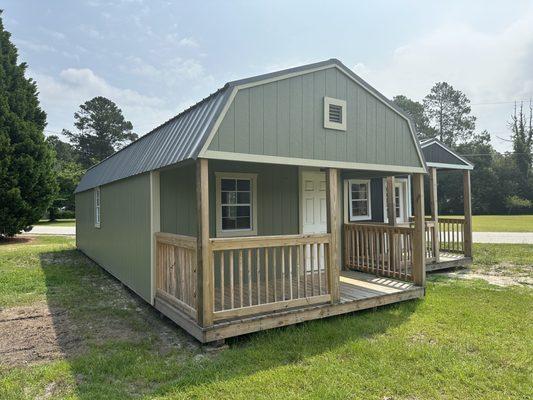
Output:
(236, 204)
(97, 207)
(334, 114)
(359, 199)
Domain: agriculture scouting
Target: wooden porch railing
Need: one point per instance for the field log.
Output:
(379, 249)
(176, 271)
(268, 273)
(452, 235)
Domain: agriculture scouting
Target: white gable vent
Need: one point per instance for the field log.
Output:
(334, 114)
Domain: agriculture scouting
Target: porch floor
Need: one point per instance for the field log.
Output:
(358, 291)
(449, 260)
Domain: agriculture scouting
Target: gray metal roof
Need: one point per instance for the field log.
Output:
(178, 139)
(437, 154)
(183, 136)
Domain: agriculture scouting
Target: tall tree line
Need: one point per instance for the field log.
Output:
(501, 182)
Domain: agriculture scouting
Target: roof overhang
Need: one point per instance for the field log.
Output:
(440, 165)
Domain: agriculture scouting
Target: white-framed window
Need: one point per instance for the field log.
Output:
(334, 114)
(236, 204)
(97, 207)
(359, 206)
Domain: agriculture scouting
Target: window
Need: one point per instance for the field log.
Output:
(97, 207)
(236, 204)
(334, 114)
(359, 199)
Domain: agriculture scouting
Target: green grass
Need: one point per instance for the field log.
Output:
(57, 222)
(499, 223)
(466, 339)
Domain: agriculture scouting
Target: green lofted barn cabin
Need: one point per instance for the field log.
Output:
(280, 198)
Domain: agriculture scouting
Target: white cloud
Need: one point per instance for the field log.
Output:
(172, 72)
(488, 67)
(61, 96)
(188, 42)
(33, 46)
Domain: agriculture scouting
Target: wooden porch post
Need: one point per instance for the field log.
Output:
(204, 273)
(391, 216)
(391, 201)
(419, 239)
(433, 197)
(332, 205)
(467, 198)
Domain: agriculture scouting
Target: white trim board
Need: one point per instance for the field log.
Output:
(449, 166)
(304, 162)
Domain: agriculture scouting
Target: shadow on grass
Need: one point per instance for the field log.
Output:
(117, 346)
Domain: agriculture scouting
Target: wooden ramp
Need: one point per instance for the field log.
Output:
(359, 291)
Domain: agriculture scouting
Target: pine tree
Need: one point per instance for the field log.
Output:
(27, 182)
(448, 111)
(102, 130)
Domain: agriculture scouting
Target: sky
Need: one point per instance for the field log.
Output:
(155, 58)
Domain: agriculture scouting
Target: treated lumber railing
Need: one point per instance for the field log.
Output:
(382, 250)
(452, 235)
(176, 271)
(430, 249)
(267, 273)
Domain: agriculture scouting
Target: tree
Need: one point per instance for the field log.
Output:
(68, 174)
(102, 130)
(448, 111)
(522, 137)
(27, 182)
(417, 114)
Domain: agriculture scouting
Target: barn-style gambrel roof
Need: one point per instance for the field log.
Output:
(188, 134)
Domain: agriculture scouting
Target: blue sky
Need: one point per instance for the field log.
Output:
(154, 58)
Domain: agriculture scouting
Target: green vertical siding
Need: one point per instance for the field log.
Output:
(122, 243)
(286, 118)
(178, 200)
(277, 197)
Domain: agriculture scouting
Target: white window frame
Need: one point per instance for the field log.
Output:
(97, 207)
(368, 216)
(334, 125)
(253, 201)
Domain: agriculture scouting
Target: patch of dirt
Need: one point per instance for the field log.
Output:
(495, 276)
(16, 240)
(38, 333)
(35, 334)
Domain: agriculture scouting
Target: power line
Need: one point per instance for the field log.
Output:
(499, 102)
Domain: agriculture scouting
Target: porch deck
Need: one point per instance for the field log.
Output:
(358, 291)
(448, 260)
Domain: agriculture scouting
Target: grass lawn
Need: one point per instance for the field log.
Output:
(499, 223)
(57, 222)
(466, 339)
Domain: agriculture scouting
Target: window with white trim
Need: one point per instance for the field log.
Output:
(334, 113)
(236, 204)
(359, 199)
(97, 207)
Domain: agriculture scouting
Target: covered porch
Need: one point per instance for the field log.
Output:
(217, 287)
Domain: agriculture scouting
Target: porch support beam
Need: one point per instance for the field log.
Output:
(391, 201)
(391, 216)
(467, 198)
(204, 272)
(332, 204)
(419, 239)
(433, 197)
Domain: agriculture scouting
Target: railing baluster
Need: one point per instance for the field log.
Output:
(304, 265)
(249, 277)
(258, 272)
(231, 284)
(298, 269)
(241, 286)
(283, 272)
(275, 267)
(290, 271)
(222, 284)
(266, 275)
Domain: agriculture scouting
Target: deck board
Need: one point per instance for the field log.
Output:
(359, 291)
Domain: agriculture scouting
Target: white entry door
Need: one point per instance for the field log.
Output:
(313, 201)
